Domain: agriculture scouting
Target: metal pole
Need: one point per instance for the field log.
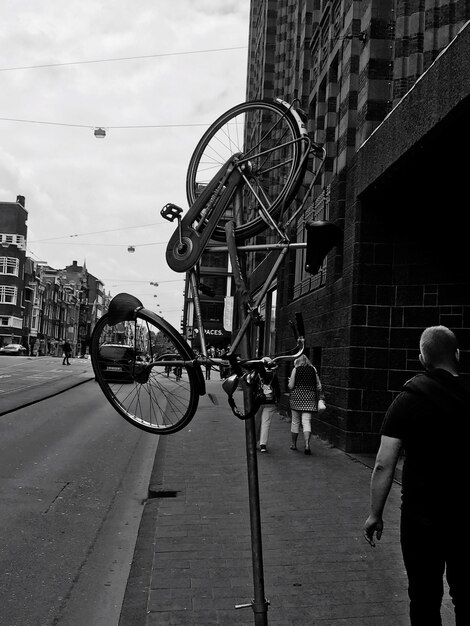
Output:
(259, 603)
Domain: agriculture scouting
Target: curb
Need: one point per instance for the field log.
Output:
(134, 606)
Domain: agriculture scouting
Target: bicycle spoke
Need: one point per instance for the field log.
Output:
(270, 143)
(147, 397)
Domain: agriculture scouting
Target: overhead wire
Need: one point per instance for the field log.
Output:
(112, 245)
(91, 126)
(115, 59)
(96, 232)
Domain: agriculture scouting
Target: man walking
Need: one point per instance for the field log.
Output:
(430, 421)
(67, 353)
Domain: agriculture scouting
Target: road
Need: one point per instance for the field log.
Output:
(73, 478)
(27, 379)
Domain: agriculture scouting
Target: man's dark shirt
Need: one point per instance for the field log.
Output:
(432, 417)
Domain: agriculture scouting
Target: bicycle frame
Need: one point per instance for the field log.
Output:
(283, 245)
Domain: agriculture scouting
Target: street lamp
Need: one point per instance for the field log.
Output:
(100, 133)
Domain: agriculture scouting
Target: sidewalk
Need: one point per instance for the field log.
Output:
(192, 562)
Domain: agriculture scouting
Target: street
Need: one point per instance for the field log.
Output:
(73, 476)
(28, 379)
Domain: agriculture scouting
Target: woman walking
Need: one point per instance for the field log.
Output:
(306, 392)
(272, 393)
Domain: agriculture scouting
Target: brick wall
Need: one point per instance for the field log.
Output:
(403, 264)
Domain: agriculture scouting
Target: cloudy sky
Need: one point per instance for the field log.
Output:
(70, 67)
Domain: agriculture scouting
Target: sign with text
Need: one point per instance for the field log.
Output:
(228, 313)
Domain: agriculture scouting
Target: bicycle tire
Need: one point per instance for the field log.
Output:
(130, 361)
(269, 134)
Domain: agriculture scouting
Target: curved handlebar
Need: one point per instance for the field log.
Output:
(266, 363)
(270, 363)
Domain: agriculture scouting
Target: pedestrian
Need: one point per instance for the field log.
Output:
(430, 421)
(306, 398)
(210, 355)
(224, 369)
(272, 393)
(67, 350)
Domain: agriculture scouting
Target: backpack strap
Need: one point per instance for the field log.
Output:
(438, 392)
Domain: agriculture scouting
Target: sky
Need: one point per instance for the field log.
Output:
(70, 67)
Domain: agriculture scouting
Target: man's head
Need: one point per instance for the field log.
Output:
(438, 349)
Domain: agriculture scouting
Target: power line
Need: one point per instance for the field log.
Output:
(115, 59)
(112, 245)
(96, 232)
(92, 126)
(108, 245)
(126, 280)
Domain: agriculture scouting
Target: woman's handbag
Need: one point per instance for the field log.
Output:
(268, 392)
(321, 406)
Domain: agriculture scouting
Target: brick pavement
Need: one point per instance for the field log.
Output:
(192, 563)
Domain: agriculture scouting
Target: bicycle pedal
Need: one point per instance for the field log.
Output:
(171, 212)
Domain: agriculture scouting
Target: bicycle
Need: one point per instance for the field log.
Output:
(247, 147)
(242, 176)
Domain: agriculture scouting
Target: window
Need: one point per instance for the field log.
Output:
(305, 282)
(16, 322)
(35, 321)
(212, 311)
(13, 240)
(9, 265)
(217, 283)
(266, 335)
(8, 294)
(214, 259)
(271, 325)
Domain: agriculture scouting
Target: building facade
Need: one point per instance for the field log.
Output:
(13, 229)
(40, 306)
(216, 295)
(386, 89)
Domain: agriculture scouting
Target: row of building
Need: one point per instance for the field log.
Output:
(42, 307)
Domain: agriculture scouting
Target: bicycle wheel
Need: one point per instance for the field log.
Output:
(144, 368)
(268, 136)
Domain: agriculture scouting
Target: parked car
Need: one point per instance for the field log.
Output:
(14, 348)
(117, 362)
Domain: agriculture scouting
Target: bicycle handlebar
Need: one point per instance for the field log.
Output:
(270, 363)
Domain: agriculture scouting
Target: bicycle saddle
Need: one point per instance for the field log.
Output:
(123, 308)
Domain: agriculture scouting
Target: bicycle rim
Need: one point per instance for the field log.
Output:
(142, 368)
(268, 135)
